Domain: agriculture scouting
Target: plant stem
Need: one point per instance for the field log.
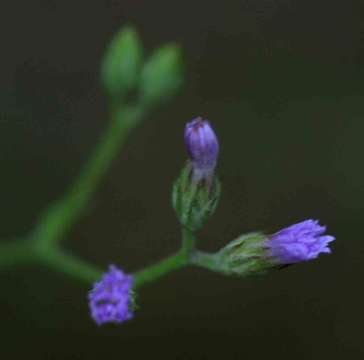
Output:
(159, 269)
(61, 215)
(70, 265)
(188, 242)
(205, 260)
(171, 263)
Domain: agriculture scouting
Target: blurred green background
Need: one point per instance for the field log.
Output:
(282, 83)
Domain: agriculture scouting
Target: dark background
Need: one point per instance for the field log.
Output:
(283, 84)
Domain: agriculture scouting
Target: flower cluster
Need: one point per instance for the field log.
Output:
(110, 298)
(195, 195)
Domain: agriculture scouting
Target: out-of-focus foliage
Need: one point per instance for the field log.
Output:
(162, 75)
(120, 68)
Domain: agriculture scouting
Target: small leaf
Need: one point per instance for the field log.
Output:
(162, 75)
(120, 69)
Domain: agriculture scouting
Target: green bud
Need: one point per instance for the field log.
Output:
(120, 69)
(162, 75)
(245, 255)
(194, 202)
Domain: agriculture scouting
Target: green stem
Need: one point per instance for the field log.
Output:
(70, 265)
(61, 215)
(171, 263)
(205, 260)
(154, 272)
(188, 242)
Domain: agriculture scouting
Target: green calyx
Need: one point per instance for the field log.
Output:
(245, 255)
(194, 203)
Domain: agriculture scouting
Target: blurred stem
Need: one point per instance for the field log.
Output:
(61, 215)
(70, 265)
(23, 252)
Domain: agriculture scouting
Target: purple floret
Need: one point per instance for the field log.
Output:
(299, 242)
(109, 300)
(202, 147)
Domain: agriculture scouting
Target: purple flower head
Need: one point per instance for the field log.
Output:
(299, 242)
(202, 148)
(110, 298)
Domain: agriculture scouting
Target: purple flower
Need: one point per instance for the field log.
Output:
(110, 298)
(202, 148)
(299, 242)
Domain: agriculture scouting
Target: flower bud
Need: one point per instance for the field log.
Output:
(202, 148)
(257, 252)
(196, 192)
(121, 66)
(162, 75)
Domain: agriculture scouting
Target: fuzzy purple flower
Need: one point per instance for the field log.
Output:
(299, 242)
(110, 298)
(202, 148)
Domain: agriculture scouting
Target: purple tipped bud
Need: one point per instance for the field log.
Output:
(202, 147)
(257, 252)
(299, 242)
(196, 192)
(110, 298)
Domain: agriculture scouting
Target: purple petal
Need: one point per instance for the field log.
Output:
(299, 242)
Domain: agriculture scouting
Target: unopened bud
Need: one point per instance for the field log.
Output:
(257, 252)
(196, 192)
(202, 148)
